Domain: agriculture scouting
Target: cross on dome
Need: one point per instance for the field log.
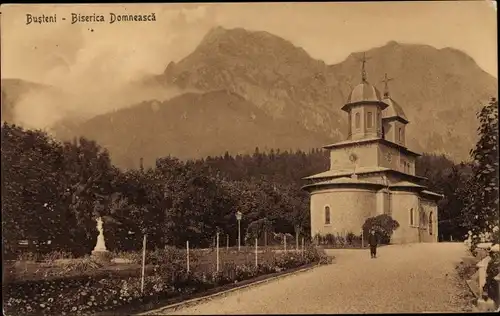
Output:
(386, 85)
(363, 70)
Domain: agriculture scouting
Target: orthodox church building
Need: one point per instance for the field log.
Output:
(372, 172)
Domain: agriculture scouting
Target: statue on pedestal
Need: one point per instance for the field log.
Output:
(101, 244)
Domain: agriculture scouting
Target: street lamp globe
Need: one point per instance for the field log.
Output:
(238, 215)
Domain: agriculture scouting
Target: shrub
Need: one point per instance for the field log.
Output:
(29, 256)
(133, 256)
(80, 265)
(57, 255)
(313, 254)
(350, 238)
(491, 286)
(329, 239)
(383, 224)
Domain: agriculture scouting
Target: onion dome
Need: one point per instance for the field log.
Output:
(394, 110)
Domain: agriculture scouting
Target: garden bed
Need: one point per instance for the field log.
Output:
(365, 247)
(106, 290)
(129, 309)
(36, 271)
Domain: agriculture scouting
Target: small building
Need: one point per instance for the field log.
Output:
(372, 172)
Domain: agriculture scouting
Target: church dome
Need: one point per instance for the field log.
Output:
(394, 110)
(364, 92)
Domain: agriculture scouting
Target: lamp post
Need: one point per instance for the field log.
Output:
(238, 217)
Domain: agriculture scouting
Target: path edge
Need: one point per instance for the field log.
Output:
(196, 301)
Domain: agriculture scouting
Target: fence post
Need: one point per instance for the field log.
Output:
(284, 238)
(227, 242)
(187, 255)
(143, 262)
(497, 279)
(296, 238)
(217, 252)
(256, 263)
(362, 239)
(482, 265)
(302, 246)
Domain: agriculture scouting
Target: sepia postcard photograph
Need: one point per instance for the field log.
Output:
(250, 158)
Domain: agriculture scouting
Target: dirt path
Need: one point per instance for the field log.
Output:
(404, 278)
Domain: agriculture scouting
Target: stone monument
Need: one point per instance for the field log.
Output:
(100, 250)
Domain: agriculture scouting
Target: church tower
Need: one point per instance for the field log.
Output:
(393, 119)
(364, 109)
(372, 173)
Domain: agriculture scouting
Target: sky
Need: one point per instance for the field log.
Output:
(84, 57)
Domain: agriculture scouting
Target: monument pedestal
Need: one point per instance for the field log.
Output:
(102, 256)
(100, 253)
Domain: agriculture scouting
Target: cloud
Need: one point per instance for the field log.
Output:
(94, 65)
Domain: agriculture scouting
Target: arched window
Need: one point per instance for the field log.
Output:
(412, 217)
(422, 218)
(369, 120)
(327, 215)
(378, 123)
(430, 223)
(357, 120)
(400, 134)
(350, 123)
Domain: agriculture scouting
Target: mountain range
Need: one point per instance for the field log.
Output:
(255, 89)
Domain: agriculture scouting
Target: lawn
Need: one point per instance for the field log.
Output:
(201, 260)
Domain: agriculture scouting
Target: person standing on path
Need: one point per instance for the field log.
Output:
(373, 241)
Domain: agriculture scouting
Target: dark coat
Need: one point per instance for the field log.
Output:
(372, 239)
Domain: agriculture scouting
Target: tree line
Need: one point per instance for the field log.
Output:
(55, 190)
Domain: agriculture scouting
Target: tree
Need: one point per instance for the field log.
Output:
(259, 229)
(480, 214)
(30, 195)
(448, 178)
(198, 203)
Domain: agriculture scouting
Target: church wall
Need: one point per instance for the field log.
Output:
(393, 158)
(429, 207)
(378, 177)
(400, 139)
(366, 153)
(388, 157)
(349, 208)
(390, 130)
(383, 200)
(356, 132)
(402, 202)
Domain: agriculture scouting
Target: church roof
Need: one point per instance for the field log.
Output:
(394, 110)
(406, 184)
(348, 143)
(434, 194)
(364, 92)
(344, 181)
(359, 170)
(345, 172)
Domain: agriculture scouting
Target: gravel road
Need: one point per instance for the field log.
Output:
(403, 279)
